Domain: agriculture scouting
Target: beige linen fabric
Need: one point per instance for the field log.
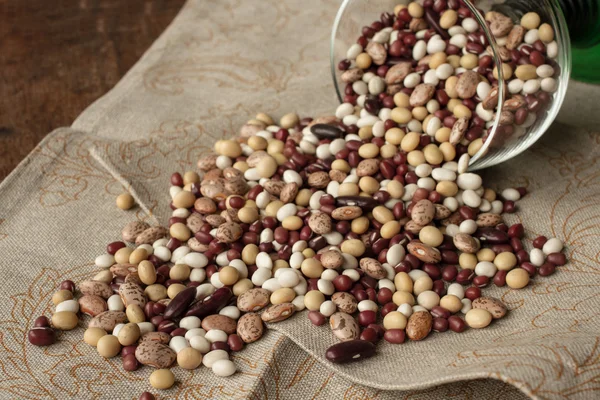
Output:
(218, 64)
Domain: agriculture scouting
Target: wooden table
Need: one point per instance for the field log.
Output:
(58, 56)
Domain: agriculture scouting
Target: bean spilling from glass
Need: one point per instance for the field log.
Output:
(430, 68)
(360, 218)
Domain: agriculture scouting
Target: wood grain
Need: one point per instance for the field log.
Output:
(57, 57)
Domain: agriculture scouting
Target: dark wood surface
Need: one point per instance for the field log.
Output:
(58, 56)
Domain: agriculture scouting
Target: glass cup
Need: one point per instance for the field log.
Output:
(503, 140)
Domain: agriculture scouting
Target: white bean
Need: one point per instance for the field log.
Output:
(223, 368)
(343, 110)
(200, 343)
(412, 80)
(532, 86)
(327, 308)
(69, 305)
(216, 335)
(537, 257)
(115, 303)
(553, 245)
(367, 305)
(515, 86)
(213, 356)
(468, 226)
(486, 268)
(549, 85)
(354, 51)
(420, 50)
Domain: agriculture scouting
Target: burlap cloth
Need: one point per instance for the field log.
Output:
(218, 64)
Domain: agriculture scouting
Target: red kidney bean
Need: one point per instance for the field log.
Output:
(148, 309)
(220, 346)
(41, 336)
(173, 243)
(516, 244)
(522, 256)
(440, 312)
(371, 294)
(467, 213)
(377, 328)
(509, 206)
(179, 332)
(384, 296)
(234, 342)
(501, 248)
(166, 326)
(342, 283)
(368, 282)
(176, 179)
(500, 278)
(465, 276)
(369, 335)
(456, 324)
(539, 242)
(557, 259)
(112, 248)
(147, 396)
(481, 281)
(389, 307)
(158, 308)
(353, 350)
(439, 287)
(432, 270)
(516, 231)
(157, 319)
(449, 272)
(530, 268)
(130, 363)
(343, 65)
(316, 318)
(395, 336)
(547, 269)
(41, 322)
(440, 325)
(473, 293)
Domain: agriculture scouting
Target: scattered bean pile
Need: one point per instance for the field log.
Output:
(359, 217)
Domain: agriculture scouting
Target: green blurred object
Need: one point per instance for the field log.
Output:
(583, 20)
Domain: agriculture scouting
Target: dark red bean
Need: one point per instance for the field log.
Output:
(147, 396)
(509, 207)
(179, 332)
(481, 281)
(501, 248)
(516, 231)
(467, 213)
(158, 308)
(522, 256)
(176, 179)
(220, 346)
(130, 363)
(530, 268)
(165, 326)
(369, 335)
(539, 242)
(388, 308)
(128, 350)
(384, 296)
(456, 324)
(557, 259)
(395, 336)
(343, 65)
(353, 350)
(473, 293)
(440, 324)
(112, 248)
(316, 318)
(235, 342)
(439, 287)
(41, 322)
(432, 270)
(41, 336)
(173, 243)
(500, 278)
(465, 276)
(516, 244)
(342, 283)
(547, 269)
(440, 312)
(449, 272)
